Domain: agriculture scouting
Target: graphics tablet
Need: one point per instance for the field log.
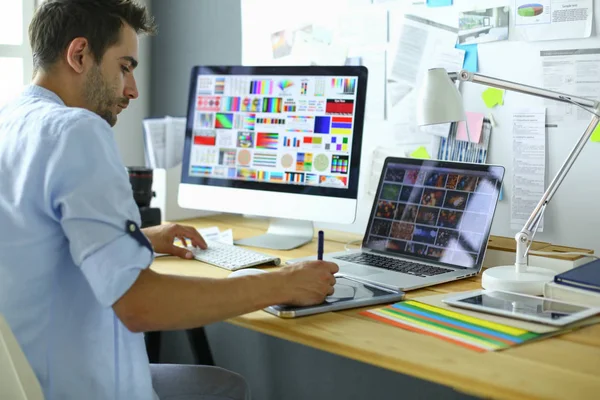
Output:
(349, 293)
(530, 308)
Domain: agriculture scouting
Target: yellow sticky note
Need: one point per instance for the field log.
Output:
(421, 152)
(596, 134)
(493, 97)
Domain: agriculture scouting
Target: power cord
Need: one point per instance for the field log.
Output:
(353, 242)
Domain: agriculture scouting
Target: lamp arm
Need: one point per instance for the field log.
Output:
(521, 88)
(525, 235)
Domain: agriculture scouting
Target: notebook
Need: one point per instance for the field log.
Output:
(586, 276)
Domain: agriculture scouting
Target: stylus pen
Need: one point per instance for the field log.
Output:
(320, 246)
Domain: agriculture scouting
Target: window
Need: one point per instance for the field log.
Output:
(15, 53)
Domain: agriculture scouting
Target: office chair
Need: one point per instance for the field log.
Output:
(17, 379)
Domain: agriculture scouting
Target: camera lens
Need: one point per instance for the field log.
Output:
(141, 184)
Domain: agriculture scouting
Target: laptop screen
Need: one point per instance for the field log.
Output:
(435, 211)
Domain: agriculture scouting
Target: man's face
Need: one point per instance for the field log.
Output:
(110, 86)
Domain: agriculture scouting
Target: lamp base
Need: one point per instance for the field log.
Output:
(506, 278)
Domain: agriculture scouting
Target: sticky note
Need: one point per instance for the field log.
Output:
(475, 121)
(493, 97)
(421, 152)
(470, 63)
(596, 134)
(439, 3)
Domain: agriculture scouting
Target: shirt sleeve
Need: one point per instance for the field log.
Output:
(90, 195)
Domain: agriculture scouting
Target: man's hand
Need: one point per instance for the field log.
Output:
(162, 237)
(309, 282)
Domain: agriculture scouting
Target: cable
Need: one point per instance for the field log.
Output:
(567, 253)
(359, 241)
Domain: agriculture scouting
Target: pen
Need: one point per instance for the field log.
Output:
(320, 246)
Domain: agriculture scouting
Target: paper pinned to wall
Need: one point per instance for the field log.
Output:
(529, 164)
(175, 137)
(361, 26)
(553, 19)
(475, 121)
(575, 72)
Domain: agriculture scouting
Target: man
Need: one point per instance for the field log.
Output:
(74, 280)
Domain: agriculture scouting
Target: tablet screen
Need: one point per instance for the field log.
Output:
(345, 290)
(537, 307)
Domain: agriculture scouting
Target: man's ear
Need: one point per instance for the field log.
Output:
(78, 54)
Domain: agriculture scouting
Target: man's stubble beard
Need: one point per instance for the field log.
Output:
(100, 96)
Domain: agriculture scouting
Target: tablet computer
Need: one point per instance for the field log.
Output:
(530, 308)
(348, 293)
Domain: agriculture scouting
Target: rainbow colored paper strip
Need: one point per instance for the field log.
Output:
(470, 332)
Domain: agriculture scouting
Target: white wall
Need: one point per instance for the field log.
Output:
(128, 131)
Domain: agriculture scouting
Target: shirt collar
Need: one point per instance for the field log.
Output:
(38, 91)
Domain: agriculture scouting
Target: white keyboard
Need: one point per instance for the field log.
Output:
(231, 257)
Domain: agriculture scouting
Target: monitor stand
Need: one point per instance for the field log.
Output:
(283, 234)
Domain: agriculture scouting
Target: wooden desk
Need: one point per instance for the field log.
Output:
(565, 367)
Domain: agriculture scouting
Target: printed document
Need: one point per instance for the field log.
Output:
(553, 19)
(529, 164)
(575, 72)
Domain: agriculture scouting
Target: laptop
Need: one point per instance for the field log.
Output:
(430, 223)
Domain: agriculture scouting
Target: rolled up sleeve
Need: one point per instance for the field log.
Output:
(90, 195)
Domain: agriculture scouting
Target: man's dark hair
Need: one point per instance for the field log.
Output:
(57, 22)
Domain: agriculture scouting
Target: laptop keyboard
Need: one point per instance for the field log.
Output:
(393, 264)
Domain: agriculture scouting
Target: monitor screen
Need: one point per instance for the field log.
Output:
(438, 211)
(285, 129)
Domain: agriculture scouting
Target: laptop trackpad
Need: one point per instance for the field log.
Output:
(356, 270)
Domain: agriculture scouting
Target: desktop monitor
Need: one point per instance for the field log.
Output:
(280, 142)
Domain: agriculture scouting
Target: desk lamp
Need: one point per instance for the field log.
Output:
(439, 101)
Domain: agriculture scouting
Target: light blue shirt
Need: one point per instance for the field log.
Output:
(65, 254)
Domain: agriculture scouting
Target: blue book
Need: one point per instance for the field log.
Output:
(586, 276)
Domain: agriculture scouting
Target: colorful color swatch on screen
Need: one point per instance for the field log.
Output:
(339, 106)
(335, 181)
(341, 125)
(206, 138)
(224, 121)
(344, 85)
(300, 124)
(285, 84)
(252, 104)
(219, 85)
(227, 157)
(291, 141)
(304, 88)
(204, 120)
(265, 160)
(312, 179)
(294, 177)
(276, 176)
(267, 141)
(245, 139)
(289, 105)
(339, 164)
(246, 173)
(270, 121)
(262, 175)
(201, 170)
(271, 105)
(208, 103)
(261, 87)
(231, 104)
(245, 121)
(304, 162)
(322, 124)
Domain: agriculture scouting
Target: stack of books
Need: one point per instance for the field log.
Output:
(579, 285)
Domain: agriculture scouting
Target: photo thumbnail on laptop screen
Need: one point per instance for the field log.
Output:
(278, 129)
(434, 213)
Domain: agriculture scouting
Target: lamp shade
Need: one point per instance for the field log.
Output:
(438, 100)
